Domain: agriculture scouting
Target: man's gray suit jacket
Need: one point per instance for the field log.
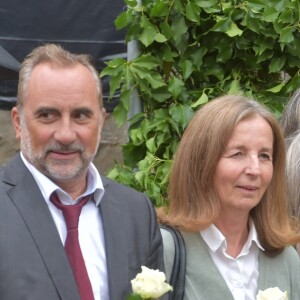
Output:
(33, 263)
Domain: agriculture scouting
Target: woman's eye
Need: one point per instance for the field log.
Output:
(265, 156)
(237, 154)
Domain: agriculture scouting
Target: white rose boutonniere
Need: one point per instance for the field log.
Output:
(149, 284)
(272, 294)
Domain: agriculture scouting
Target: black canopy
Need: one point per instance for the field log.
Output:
(85, 26)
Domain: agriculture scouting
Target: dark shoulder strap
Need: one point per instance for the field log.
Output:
(177, 280)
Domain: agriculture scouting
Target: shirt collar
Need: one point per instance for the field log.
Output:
(47, 187)
(216, 240)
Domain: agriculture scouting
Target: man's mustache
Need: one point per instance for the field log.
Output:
(57, 147)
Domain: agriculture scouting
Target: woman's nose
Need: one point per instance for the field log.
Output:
(253, 166)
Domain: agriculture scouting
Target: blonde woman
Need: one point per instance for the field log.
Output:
(227, 197)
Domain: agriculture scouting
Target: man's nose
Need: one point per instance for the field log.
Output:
(65, 132)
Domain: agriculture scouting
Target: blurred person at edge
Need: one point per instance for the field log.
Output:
(58, 120)
(227, 197)
(290, 122)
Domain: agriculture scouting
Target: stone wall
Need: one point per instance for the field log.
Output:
(109, 150)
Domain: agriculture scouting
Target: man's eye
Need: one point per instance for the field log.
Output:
(81, 116)
(45, 116)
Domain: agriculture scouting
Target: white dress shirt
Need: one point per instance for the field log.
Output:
(91, 237)
(240, 273)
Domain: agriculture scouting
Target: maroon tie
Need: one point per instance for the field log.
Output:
(71, 214)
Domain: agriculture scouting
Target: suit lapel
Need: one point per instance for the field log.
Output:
(115, 245)
(29, 201)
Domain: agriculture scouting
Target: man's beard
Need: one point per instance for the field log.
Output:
(57, 169)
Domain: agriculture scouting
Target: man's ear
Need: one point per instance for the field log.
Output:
(16, 121)
(103, 117)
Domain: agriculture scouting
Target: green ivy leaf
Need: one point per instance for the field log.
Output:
(125, 98)
(179, 28)
(225, 50)
(166, 53)
(277, 88)
(164, 171)
(114, 67)
(197, 57)
(166, 29)
(251, 23)
(159, 9)
(270, 14)
(154, 190)
(121, 21)
(293, 83)
(280, 5)
(210, 7)
(256, 5)
(187, 68)
(293, 61)
(149, 32)
(181, 114)
(234, 30)
(266, 55)
(138, 136)
(131, 3)
(287, 17)
(162, 137)
(160, 38)
(286, 35)
(222, 24)
(175, 126)
(235, 87)
(134, 297)
(151, 145)
(145, 61)
(120, 114)
(161, 94)
(161, 114)
(141, 177)
(202, 100)
(205, 3)
(175, 86)
(114, 83)
(155, 80)
(276, 64)
(132, 154)
(123, 174)
(214, 70)
(192, 12)
(148, 36)
(261, 45)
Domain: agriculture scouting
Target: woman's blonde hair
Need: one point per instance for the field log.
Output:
(193, 202)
